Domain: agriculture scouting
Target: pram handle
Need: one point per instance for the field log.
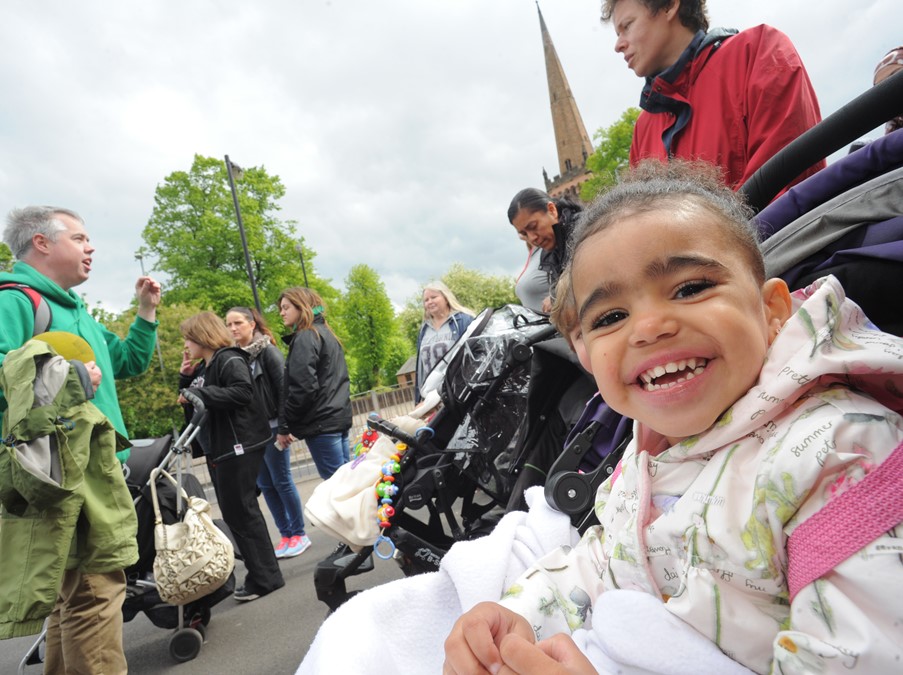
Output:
(200, 410)
(386, 427)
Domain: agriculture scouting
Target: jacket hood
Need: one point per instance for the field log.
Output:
(231, 350)
(827, 340)
(23, 273)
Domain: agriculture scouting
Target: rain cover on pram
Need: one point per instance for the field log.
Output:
(484, 386)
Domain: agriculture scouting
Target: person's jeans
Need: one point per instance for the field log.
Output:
(278, 487)
(329, 452)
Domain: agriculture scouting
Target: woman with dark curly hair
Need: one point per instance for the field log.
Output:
(545, 223)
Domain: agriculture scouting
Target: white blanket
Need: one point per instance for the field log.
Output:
(401, 626)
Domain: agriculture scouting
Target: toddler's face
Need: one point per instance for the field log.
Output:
(674, 326)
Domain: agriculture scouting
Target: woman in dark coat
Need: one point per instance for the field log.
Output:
(316, 390)
(544, 223)
(275, 481)
(236, 434)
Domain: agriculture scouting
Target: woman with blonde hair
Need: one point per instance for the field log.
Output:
(316, 390)
(444, 321)
(236, 433)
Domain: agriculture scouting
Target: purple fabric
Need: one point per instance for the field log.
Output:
(878, 241)
(612, 430)
(874, 159)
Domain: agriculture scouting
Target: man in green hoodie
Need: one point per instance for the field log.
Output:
(54, 254)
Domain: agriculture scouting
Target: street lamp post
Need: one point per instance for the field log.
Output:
(241, 229)
(300, 250)
(140, 259)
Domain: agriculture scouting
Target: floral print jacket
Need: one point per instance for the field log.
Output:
(704, 524)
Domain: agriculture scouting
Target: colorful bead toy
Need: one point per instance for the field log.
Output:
(368, 438)
(385, 491)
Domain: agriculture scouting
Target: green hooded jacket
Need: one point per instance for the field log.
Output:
(116, 358)
(64, 503)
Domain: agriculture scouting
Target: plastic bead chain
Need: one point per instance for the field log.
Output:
(368, 438)
(385, 491)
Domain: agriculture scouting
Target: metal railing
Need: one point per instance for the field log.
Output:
(387, 403)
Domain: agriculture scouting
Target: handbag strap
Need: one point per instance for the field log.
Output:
(846, 524)
(156, 473)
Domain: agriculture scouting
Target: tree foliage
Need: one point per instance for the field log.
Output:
(611, 156)
(369, 320)
(148, 401)
(473, 289)
(6, 258)
(194, 238)
(477, 290)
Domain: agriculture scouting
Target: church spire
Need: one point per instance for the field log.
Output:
(571, 139)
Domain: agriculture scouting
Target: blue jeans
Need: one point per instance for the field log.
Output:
(278, 487)
(329, 452)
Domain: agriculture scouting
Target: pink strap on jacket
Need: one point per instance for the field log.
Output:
(846, 524)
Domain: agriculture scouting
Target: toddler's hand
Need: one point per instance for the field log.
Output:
(559, 655)
(94, 373)
(473, 644)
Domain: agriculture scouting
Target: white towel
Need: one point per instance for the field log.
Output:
(401, 626)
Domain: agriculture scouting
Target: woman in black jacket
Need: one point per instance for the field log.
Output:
(237, 432)
(275, 480)
(316, 399)
(545, 223)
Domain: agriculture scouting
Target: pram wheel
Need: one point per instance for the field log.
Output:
(185, 644)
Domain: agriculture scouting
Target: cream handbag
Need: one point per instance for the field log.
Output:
(194, 557)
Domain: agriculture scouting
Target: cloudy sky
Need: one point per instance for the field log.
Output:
(400, 129)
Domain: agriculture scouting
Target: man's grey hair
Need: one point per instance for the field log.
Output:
(23, 224)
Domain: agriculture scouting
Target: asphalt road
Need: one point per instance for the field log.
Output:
(269, 635)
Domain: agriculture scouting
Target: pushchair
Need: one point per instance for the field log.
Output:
(510, 391)
(188, 622)
(845, 220)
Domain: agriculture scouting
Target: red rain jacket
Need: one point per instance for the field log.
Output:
(747, 95)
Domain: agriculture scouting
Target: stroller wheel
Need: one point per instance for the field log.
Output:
(185, 644)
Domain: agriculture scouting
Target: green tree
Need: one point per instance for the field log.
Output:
(6, 258)
(409, 320)
(148, 401)
(473, 289)
(369, 323)
(193, 236)
(477, 290)
(399, 350)
(612, 154)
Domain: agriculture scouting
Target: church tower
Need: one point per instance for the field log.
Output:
(571, 139)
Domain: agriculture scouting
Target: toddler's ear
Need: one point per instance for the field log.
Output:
(580, 349)
(778, 306)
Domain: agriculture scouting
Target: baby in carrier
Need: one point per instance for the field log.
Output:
(764, 420)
